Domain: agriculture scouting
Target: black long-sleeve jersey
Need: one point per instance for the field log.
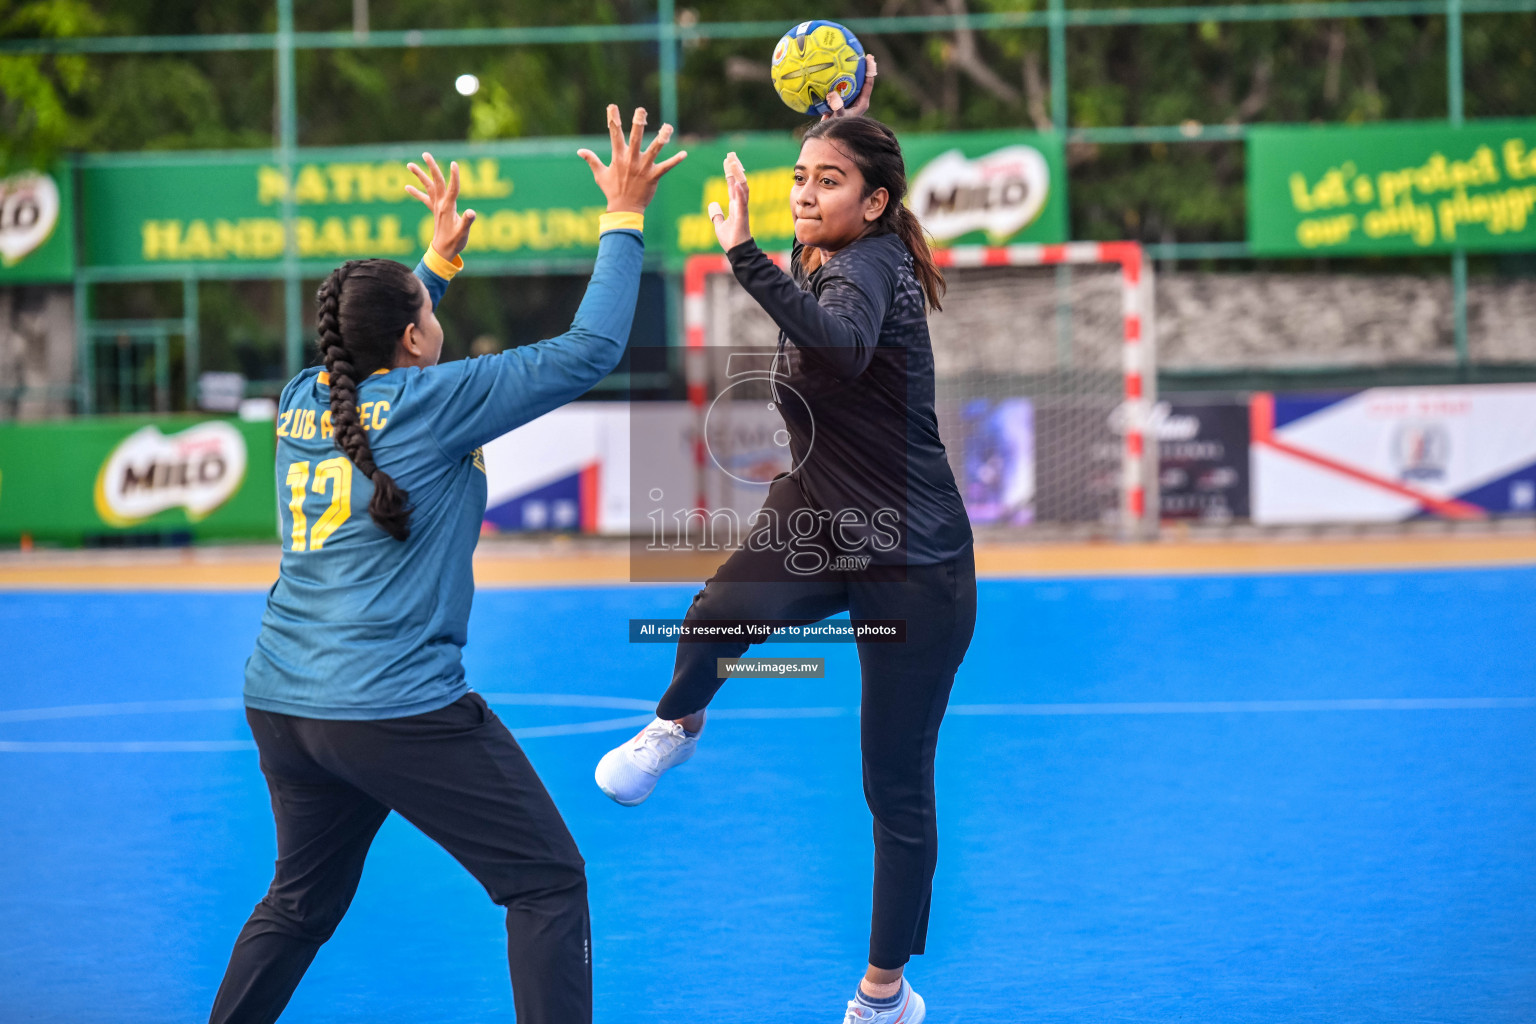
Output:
(866, 440)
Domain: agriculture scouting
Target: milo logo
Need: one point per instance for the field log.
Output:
(148, 472)
(1001, 193)
(29, 211)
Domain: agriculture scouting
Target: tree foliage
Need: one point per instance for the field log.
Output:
(1346, 70)
(36, 90)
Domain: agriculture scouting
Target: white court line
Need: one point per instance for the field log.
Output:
(576, 728)
(156, 707)
(571, 700)
(629, 722)
(127, 747)
(134, 707)
(142, 707)
(782, 712)
(1225, 707)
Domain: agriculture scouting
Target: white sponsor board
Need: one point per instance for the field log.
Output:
(1389, 454)
(562, 443)
(148, 472)
(1000, 193)
(29, 211)
(643, 459)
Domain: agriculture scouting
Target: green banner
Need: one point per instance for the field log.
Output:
(220, 210)
(535, 202)
(976, 187)
(37, 227)
(71, 480)
(1386, 189)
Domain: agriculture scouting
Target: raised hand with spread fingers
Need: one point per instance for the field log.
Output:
(450, 231)
(629, 180)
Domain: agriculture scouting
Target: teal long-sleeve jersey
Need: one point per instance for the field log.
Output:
(360, 625)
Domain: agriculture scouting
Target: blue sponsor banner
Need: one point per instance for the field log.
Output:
(562, 505)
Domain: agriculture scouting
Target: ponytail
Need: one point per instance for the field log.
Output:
(905, 224)
(373, 305)
(874, 148)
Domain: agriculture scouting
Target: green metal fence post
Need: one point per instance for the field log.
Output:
(1455, 99)
(666, 41)
(163, 372)
(125, 360)
(83, 345)
(1455, 94)
(293, 320)
(191, 360)
(1459, 309)
(1057, 31)
(1057, 13)
(672, 283)
(288, 130)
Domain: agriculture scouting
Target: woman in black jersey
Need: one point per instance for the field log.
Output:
(872, 491)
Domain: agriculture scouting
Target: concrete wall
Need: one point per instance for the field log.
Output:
(37, 352)
(1006, 321)
(1278, 321)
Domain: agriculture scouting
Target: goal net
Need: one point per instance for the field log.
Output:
(1044, 368)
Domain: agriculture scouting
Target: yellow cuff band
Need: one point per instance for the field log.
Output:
(621, 222)
(325, 376)
(441, 267)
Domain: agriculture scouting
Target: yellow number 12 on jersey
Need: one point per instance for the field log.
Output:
(338, 472)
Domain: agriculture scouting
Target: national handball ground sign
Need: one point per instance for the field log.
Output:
(535, 200)
(1400, 188)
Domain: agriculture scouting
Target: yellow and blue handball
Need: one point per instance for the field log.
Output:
(814, 60)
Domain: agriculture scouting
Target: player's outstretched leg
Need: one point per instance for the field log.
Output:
(755, 583)
(324, 828)
(458, 775)
(629, 772)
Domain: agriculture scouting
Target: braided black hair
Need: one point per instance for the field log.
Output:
(364, 307)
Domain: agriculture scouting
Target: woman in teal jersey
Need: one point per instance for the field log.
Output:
(356, 693)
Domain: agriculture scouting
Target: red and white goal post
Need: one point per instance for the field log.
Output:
(1131, 420)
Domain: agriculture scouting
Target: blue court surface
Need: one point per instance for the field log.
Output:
(1285, 798)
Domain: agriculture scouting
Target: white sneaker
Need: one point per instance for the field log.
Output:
(909, 1009)
(629, 772)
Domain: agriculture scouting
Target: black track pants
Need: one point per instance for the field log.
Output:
(458, 775)
(905, 693)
